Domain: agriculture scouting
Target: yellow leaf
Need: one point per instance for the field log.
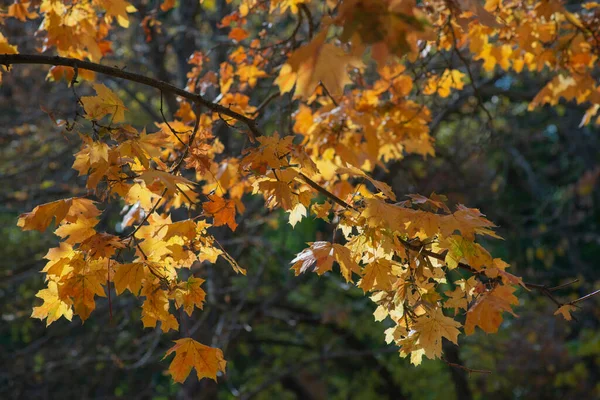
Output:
(6, 48)
(432, 328)
(20, 11)
(323, 254)
(278, 193)
(296, 214)
(54, 306)
(450, 79)
(377, 276)
(189, 295)
(315, 63)
(104, 103)
(82, 287)
(487, 310)
(66, 209)
(78, 231)
(129, 276)
(156, 307)
(170, 181)
(207, 361)
(118, 9)
(566, 311)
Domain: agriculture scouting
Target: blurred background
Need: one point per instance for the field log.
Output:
(535, 174)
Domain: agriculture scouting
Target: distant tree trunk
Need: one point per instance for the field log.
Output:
(459, 376)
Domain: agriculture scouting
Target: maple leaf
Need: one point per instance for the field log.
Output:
(296, 214)
(461, 249)
(82, 287)
(104, 103)
(207, 361)
(322, 255)
(139, 193)
(222, 211)
(129, 276)
(156, 307)
(278, 193)
(317, 63)
(189, 294)
(388, 26)
(170, 181)
(118, 9)
(381, 186)
(487, 310)
(62, 260)
(66, 209)
(101, 245)
(377, 275)
(6, 48)
(54, 307)
(457, 299)
(483, 16)
(450, 79)
(78, 231)
(238, 34)
(21, 11)
(432, 328)
(566, 310)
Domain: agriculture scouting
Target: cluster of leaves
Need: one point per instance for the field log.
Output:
(406, 254)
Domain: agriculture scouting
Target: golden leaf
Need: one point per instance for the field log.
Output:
(207, 361)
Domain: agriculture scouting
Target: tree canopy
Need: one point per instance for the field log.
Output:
(200, 129)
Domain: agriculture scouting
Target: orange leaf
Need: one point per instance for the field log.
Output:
(315, 63)
(238, 34)
(487, 310)
(191, 354)
(67, 209)
(222, 211)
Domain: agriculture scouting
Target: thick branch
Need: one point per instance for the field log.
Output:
(8, 59)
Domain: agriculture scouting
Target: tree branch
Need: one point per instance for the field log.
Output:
(9, 59)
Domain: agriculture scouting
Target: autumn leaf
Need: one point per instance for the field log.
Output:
(222, 211)
(238, 34)
(6, 48)
(296, 214)
(207, 361)
(54, 305)
(156, 307)
(170, 181)
(106, 102)
(78, 231)
(118, 9)
(129, 276)
(442, 85)
(378, 275)
(432, 327)
(20, 11)
(101, 245)
(317, 63)
(566, 310)
(166, 5)
(322, 255)
(82, 286)
(189, 295)
(488, 308)
(67, 209)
